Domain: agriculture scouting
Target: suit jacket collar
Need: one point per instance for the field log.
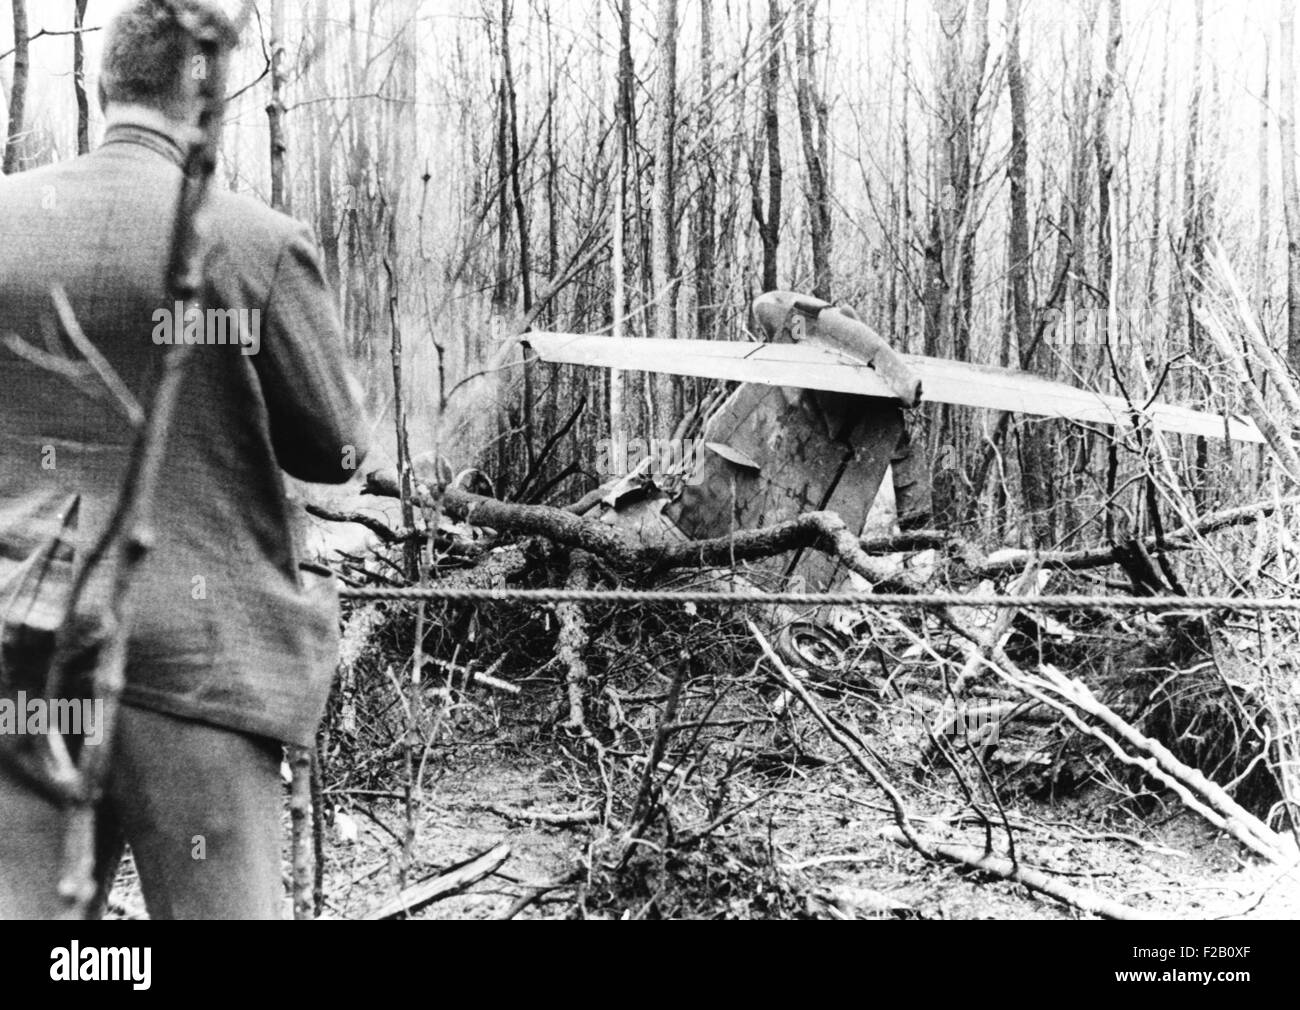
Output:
(129, 130)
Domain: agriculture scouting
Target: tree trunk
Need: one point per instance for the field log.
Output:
(1036, 474)
(813, 115)
(1290, 187)
(1157, 214)
(949, 249)
(706, 213)
(1262, 236)
(275, 108)
(1106, 356)
(622, 126)
(516, 190)
(79, 77)
(663, 223)
(18, 94)
(769, 222)
(326, 133)
(1105, 167)
(1194, 246)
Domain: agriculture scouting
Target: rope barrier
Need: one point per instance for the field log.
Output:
(927, 601)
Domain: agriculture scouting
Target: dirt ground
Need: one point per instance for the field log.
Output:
(815, 837)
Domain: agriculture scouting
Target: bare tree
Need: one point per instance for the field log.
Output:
(813, 117)
(1290, 186)
(663, 205)
(767, 143)
(706, 209)
(326, 128)
(79, 76)
(623, 118)
(1036, 473)
(662, 202)
(275, 108)
(18, 91)
(1261, 235)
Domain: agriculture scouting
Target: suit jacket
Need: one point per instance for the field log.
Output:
(226, 629)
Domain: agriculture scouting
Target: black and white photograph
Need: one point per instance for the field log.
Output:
(650, 459)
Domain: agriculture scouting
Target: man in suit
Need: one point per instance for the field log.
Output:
(232, 647)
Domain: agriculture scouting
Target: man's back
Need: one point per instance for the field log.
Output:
(225, 632)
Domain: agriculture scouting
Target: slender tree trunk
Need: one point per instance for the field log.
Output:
(1194, 242)
(1290, 187)
(664, 247)
(663, 217)
(1101, 142)
(1036, 473)
(325, 136)
(552, 164)
(18, 93)
(1106, 356)
(516, 188)
(501, 289)
(813, 116)
(1262, 236)
(623, 120)
(769, 221)
(275, 109)
(906, 224)
(972, 83)
(706, 213)
(79, 77)
(949, 249)
(1157, 212)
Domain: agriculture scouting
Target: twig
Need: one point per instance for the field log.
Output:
(572, 877)
(853, 745)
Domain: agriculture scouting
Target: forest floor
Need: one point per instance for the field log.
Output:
(809, 846)
(805, 833)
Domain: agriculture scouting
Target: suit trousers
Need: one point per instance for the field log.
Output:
(198, 805)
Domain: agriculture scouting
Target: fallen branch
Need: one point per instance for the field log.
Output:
(1161, 764)
(470, 677)
(572, 877)
(823, 531)
(979, 859)
(1204, 797)
(555, 818)
(376, 526)
(415, 897)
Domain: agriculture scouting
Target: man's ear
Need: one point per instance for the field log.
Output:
(103, 96)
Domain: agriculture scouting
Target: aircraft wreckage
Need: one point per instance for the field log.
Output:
(820, 417)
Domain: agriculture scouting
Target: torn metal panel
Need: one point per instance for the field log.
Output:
(817, 452)
(643, 518)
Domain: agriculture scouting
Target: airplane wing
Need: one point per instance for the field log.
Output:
(802, 365)
(809, 366)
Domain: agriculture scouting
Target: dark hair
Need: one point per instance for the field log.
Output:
(146, 51)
